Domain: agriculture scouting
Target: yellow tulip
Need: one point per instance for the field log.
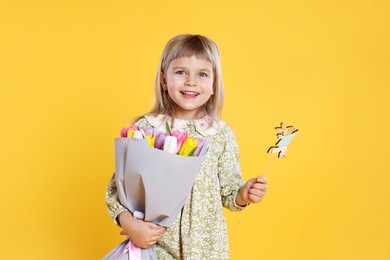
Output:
(130, 133)
(188, 147)
(151, 140)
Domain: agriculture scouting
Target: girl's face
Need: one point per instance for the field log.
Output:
(189, 82)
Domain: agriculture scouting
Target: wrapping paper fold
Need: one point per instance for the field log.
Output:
(120, 252)
(152, 181)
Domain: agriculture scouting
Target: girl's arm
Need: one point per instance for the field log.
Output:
(229, 171)
(143, 234)
(114, 207)
(235, 193)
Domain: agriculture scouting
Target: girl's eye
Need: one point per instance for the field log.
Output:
(202, 74)
(180, 72)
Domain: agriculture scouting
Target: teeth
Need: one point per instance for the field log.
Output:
(188, 93)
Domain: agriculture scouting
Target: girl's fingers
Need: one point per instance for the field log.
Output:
(156, 238)
(259, 186)
(153, 240)
(154, 226)
(262, 179)
(158, 234)
(255, 192)
(156, 230)
(254, 198)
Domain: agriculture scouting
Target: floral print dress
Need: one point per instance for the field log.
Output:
(199, 231)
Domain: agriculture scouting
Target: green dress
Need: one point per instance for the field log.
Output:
(199, 231)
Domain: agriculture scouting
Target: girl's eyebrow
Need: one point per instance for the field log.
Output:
(181, 67)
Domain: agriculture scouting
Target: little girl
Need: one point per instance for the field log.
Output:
(189, 95)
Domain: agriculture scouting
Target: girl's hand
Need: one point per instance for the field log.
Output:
(253, 191)
(143, 234)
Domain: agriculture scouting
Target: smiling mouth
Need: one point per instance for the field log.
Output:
(189, 93)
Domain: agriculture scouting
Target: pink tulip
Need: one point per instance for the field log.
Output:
(181, 136)
(124, 131)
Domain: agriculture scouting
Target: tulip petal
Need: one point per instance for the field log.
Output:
(130, 133)
(201, 143)
(170, 144)
(192, 152)
(137, 134)
(124, 131)
(160, 139)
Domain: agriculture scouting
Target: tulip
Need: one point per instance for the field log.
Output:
(138, 134)
(189, 146)
(148, 130)
(151, 140)
(130, 133)
(201, 144)
(124, 131)
(181, 137)
(170, 144)
(159, 140)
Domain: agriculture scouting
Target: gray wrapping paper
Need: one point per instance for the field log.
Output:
(152, 181)
(147, 253)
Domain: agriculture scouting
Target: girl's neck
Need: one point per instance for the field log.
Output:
(188, 116)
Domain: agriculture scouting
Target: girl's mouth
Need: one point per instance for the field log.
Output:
(189, 93)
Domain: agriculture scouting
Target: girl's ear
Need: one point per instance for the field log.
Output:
(163, 81)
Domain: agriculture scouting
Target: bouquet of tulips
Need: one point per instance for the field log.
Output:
(176, 141)
(154, 174)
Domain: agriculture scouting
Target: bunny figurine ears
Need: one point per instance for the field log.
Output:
(285, 134)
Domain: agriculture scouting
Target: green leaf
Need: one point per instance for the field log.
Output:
(192, 151)
(168, 128)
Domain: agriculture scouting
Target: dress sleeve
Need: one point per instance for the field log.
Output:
(113, 204)
(229, 171)
(114, 207)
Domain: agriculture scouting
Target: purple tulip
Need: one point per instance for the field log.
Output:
(201, 143)
(160, 138)
(148, 130)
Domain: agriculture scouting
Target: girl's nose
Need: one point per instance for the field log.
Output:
(190, 82)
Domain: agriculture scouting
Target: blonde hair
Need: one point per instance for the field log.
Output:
(188, 45)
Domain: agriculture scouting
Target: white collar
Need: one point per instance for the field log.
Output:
(205, 126)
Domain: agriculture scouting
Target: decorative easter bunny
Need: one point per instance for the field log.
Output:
(285, 134)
